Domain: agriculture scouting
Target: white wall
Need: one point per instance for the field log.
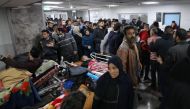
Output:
(150, 10)
(6, 45)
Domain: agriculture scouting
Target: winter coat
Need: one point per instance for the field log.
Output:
(180, 85)
(114, 93)
(48, 52)
(67, 45)
(114, 41)
(88, 41)
(98, 37)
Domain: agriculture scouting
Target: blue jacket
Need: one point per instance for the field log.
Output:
(88, 41)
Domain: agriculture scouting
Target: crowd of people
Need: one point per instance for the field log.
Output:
(137, 49)
(143, 49)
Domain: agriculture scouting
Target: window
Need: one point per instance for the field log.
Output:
(169, 17)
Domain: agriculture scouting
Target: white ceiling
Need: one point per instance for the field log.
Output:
(86, 4)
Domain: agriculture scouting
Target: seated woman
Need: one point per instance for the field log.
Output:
(114, 89)
(31, 63)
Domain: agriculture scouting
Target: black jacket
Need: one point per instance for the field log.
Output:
(99, 35)
(180, 85)
(114, 40)
(162, 45)
(48, 52)
(113, 93)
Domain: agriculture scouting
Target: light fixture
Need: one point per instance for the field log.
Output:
(94, 9)
(47, 7)
(53, 3)
(71, 7)
(150, 2)
(112, 5)
(74, 11)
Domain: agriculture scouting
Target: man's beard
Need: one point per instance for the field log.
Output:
(131, 40)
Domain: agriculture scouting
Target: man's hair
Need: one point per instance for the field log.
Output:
(61, 30)
(168, 30)
(55, 25)
(94, 24)
(181, 33)
(154, 30)
(156, 24)
(35, 52)
(145, 24)
(86, 30)
(75, 100)
(43, 31)
(127, 28)
(117, 26)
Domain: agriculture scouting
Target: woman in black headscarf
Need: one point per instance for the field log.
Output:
(114, 89)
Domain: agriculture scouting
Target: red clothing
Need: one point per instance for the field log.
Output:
(144, 35)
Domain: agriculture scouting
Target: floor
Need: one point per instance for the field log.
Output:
(150, 99)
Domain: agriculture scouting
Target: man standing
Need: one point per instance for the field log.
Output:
(67, 46)
(128, 52)
(99, 34)
(48, 47)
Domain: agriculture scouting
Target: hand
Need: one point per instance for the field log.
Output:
(159, 60)
(75, 52)
(51, 44)
(89, 47)
(28, 73)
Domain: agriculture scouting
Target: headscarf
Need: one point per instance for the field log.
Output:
(117, 62)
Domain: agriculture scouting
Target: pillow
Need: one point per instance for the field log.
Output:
(46, 65)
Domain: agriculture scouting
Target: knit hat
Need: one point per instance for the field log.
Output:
(117, 62)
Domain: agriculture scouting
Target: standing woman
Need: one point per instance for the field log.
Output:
(114, 89)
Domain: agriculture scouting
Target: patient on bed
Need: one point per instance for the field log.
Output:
(31, 63)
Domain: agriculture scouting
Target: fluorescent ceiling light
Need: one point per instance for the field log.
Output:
(112, 5)
(74, 11)
(150, 3)
(51, 7)
(94, 9)
(53, 3)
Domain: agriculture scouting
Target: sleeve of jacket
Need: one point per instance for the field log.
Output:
(123, 56)
(74, 44)
(103, 43)
(84, 42)
(96, 37)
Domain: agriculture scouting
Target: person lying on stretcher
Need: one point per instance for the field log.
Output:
(30, 62)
